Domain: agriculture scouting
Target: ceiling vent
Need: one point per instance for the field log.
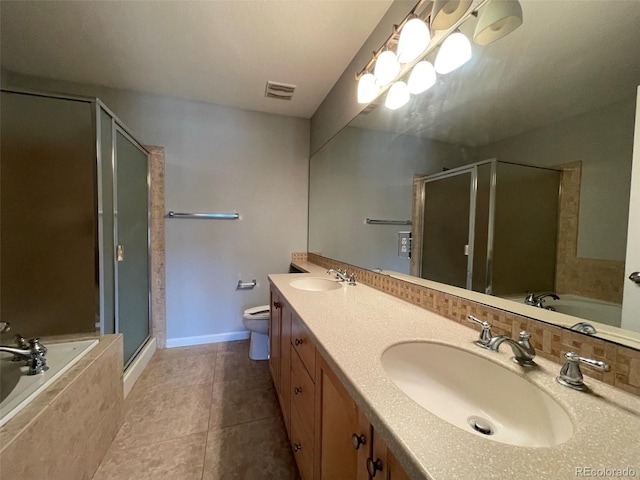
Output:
(279, 91)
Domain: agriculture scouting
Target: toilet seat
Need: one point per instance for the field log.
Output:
(257, 313)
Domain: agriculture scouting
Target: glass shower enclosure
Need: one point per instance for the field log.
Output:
(74, 218)
(490, 227)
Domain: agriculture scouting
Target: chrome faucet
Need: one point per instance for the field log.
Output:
(523, 351)
(34, 354)
(538, 300)
(570, 374)
(343, 276)
(340, 275)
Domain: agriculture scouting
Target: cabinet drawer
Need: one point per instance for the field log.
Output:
(301, 342)
(302, 392)
(302, 443)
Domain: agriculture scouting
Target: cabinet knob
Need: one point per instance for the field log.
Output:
(374, 466)
(297, 341)
(297, 390)
(358, 440)
(297, 447)
(277, 305)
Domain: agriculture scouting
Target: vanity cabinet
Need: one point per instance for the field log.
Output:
(330, 437)
(280, 352)
(303, 388)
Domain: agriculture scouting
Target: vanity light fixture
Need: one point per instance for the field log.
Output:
(397, 96)
(422, 78)
(414, 39)
(498, 19)
(454, 52)
(446, 13)
(387, 68)
(367, 88)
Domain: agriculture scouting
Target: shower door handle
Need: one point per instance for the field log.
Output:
(120, 253)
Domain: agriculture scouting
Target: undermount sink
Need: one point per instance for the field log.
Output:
(314, 284)
(477, 395)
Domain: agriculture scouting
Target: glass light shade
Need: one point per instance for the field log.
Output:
(422, 78)
(497, 19)
(446, 13)
(387, 68)
(398, 96)
(367, 88)
(454, 52)
(414, 39)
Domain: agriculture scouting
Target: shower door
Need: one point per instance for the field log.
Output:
(447, 246)
(131, 235)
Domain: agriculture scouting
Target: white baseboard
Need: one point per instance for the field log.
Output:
(135, 369)
(202, 339)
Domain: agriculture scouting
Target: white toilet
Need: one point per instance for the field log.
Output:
(256, 320)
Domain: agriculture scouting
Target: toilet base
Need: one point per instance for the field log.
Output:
(259, 346)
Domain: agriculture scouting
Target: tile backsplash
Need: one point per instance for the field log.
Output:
(551, 342)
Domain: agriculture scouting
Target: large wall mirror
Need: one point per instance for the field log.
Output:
(542, 121)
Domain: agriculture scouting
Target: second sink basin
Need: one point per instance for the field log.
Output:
(315, 284)
(477, 395)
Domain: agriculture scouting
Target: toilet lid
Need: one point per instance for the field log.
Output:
(260, 312)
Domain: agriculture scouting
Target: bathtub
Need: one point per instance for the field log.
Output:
(17, 388)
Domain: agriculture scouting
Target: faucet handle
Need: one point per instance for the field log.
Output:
(20, 341)
(485, 333)
(5, 327)
(352, 278)
(570, 374)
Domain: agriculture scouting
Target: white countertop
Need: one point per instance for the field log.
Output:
(353, 326)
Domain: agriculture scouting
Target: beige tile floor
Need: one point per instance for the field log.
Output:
(201, 413)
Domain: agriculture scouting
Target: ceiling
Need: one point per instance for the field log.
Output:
(221, 52)
(567, 58)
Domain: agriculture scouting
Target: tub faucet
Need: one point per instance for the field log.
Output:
(34, 355)
(538, 300)
(523, 351)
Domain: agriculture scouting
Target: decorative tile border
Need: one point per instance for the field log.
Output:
(299, 257)
(550, 341)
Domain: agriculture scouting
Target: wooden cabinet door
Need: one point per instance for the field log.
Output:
(338, 421)
(274, 337)
(382, 464)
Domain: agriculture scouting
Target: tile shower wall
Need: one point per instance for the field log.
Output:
(550, 342)
(589, 277)
(158, 264)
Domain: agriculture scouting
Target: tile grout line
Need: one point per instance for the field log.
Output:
(206, 438)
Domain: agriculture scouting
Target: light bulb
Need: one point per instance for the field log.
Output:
(367, 88)
(422, 78)
(414, 39)
(387, 68)
(398, 96)
(454, 52)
